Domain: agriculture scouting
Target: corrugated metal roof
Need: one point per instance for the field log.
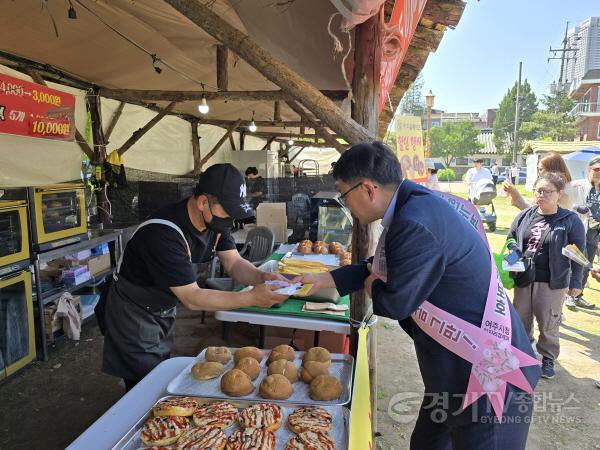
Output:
(558, 147)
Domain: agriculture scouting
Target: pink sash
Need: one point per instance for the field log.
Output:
(488, 347)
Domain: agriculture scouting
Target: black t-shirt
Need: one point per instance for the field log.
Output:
(157, 255)
(593, 202)
(255, 185)
(537, 228)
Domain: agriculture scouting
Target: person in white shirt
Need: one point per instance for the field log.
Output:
(476, 173)
(495, 172)
(514, 173)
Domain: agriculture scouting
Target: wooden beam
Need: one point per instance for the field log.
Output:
(242, 134)
(259, 123)
(222, 67)
(218, 144)
(137, 135)
(275, 134)
(444, 12)
(195, 147)
(232, 142)
(320, 130)
(183, 96)
(113, 121)
(277, 111)
(426, 38)
(273, 69)
(297, 154)
(267, 146)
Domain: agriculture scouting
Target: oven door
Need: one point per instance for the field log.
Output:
(14, 237)
(17, 335)
(59, 212)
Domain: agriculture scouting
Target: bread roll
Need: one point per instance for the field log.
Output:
(218, 354)
(305, 248)
(319, 244)
(325, 388)
(334, 247)
(319, 354)
(207, 370)
(236, 383)
(345, 262)
(250, 366)
(312, 369)
(285, 368)
(248, 351)
(322, 249)
(276, 387)
(281, 352)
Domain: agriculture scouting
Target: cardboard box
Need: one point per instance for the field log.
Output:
(99, 264)
(305, 339)
(273, 216)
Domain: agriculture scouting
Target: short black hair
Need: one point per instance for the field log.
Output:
(251, 171)
(374, 161)
(478, 160)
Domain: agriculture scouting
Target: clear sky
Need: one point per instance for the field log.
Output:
(478, 61)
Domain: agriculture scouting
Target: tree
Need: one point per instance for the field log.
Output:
(412, 103)
(559, 102)
(554, 123)
(453, 140)
(504, 124)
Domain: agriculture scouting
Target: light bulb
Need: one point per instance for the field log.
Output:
(291, 141)
(252, 127)
(203, 107)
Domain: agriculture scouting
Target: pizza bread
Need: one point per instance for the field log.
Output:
(215, 414)
(310, 418)
(311, 440)
(251, 439)
(212, 438)
(163, 430)
(261, 415)
(176, 406)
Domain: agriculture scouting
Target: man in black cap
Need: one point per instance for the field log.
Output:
(156, 272)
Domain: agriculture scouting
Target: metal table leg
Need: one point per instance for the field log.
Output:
(261, 336)
(40, 308)
(317, 338)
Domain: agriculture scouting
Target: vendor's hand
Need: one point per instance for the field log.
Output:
(263, 295)
(595, 274)
(574, 292)
(268, 276)
(318, 280)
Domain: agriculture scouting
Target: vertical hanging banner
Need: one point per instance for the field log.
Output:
(30, 109)
(409, 148)
(361, 419)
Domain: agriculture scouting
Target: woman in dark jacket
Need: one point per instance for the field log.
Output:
(539, 233)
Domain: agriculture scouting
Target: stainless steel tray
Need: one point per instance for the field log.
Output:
(341, 368)
(339, 429)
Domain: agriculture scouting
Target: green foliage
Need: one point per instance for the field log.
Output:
(504, 124)
(453, 140)
(560, 102)
(446, 175)
(412, 103)
(547, 125)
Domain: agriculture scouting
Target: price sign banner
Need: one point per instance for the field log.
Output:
(30, 109)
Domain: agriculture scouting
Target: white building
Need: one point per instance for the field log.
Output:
(586, 39)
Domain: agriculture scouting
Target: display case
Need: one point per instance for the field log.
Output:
(14, 236)
(329, 221)
(17, 336)
(58, 215)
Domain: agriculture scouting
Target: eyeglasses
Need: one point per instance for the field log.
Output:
(340, 198)
(542, 192)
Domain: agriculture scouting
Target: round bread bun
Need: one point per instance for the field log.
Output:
(276, 387)
(176, 406)
(349, 248)
(236, 383)
(312, 369)
(310, 418)
(305, 248)
(281, 352)
(250, 366)
(334, 247)
(207, 370)
(248, 351)
(322, 249)
(325, 388)
(285, 368)
(319, 354)
(266, 416)
(319, 243)
(345, 262)
(218, 354)
(306, 242)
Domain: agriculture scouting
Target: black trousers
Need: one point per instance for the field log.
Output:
(495, 179)
(485, 434)
(592, 238)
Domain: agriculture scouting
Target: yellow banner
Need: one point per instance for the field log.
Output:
(360, 417)
(409, 147)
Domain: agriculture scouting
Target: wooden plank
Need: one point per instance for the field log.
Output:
(259, 123)
(222, 67)
(218, 144)
(267, 146)
(274, 70)
(113, 121)
(277, 111)
(320, 130)
(426, 38)
(445, 12)
(137, 135)
(232, 142)
(195, 147)
(182, 96)
(242, 139)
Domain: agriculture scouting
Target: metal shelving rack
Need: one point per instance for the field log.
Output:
(42, 257)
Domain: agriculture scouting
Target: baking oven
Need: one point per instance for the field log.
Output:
(14, 236)
(17, 335)
(58, 215)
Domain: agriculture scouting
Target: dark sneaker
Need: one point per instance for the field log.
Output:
(582, 303)
(547, 368)
(570, 302)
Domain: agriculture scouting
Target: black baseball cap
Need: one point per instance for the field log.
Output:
(227, 184)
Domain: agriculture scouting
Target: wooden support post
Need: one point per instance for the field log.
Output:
(267, 146)
(195, 147)
(277, 111)
(274, 70)
(94, 106)
(137, 135)
(232, 142)
(113, 121)
(319, 129)
(242, 139)
(365, 110)
(218, 144)
(222, 67)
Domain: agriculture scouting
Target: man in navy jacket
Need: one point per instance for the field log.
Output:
(432, 254)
